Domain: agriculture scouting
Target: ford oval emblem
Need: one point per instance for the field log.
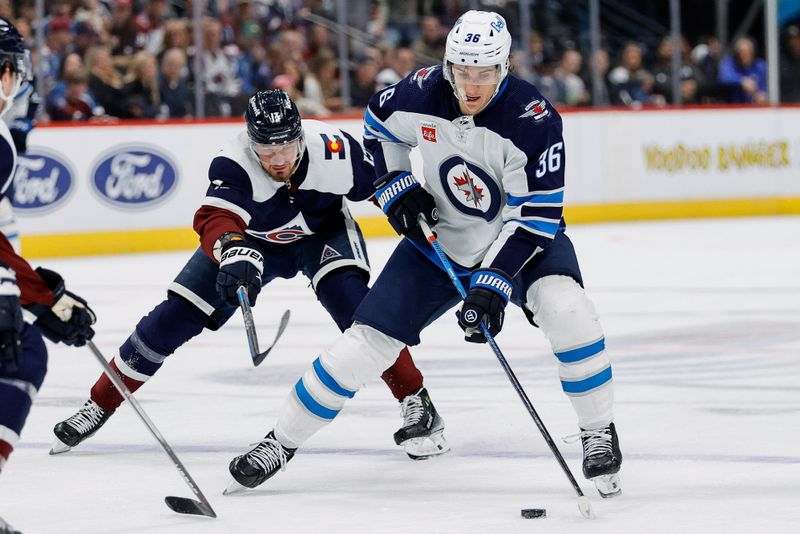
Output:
(134, 176)
(42, 182)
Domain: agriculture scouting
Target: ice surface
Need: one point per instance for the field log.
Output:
(702, 320)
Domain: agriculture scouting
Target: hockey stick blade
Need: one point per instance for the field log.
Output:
(258, 358)
(204, 507)
(250, 327)
(184, 505)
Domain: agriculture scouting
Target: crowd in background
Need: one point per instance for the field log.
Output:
(135, 59)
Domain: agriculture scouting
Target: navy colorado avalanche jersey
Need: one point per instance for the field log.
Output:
(243, 198)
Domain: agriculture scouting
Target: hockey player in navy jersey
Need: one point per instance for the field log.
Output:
(32, 302)
(274, 207)
(493, 166)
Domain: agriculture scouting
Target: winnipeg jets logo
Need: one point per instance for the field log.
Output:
(470, 189)
(422, 74)
(219, 184)
(536, 109)
(466, 184)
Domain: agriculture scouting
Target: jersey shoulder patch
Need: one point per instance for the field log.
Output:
(330, 169)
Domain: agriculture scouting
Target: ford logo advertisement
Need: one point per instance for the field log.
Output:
(42, 182)
(134, 176)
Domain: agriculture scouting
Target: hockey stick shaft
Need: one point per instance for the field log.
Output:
(125, 392)
(249, 324)
(503, 362)
(250, 327)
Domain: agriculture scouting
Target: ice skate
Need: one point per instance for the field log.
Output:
(262, 462)
(80, 426)
(602, 459)
(422, 433)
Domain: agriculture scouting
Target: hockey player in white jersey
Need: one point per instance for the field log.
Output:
(493, 165)
(274, 208)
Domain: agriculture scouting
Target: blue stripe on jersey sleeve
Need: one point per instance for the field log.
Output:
(548, 228)
(376, 126)
(548, 198)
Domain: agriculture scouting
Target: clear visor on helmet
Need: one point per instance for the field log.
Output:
(463, 75)
(285, 151)
(19, 63)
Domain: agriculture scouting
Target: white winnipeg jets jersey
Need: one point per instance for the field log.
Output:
(497, 177)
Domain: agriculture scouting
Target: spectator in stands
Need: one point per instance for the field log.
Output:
(690, 76)
(149, 26)
(430, 43)
(105, 81)
(142, 95)
(706, 56)
(77, 103)
(307, 107)
(71, 63)
(176, 35)
(631, 83)
(744, 74)
(790, 66)
(402, 25)
(123, 32)
(7, 10)
(58, 44)
(222, 88)
(362, 84)
(601, 63)
(174, 85)
(325, 69)
(570, 87)
(293, 45)
(387, 75)
(85, 38)
(96, 15)
(319, 38)
(405, 61)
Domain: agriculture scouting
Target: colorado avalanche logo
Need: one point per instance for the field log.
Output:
(423, 74)
(469, 188)
(281, 235)
(42, 182)
(134, 177)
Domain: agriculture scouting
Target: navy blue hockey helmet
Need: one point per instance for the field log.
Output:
(272, 118)
(13, 56)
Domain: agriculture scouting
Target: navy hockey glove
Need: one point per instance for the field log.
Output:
(489, 292)
(10, 321)
(69, 320)
(403, 200)
(240, 264)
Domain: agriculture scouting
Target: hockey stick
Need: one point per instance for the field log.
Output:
(250, 327)
(182, 505)
(584, 505)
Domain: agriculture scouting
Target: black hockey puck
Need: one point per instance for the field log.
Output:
(532, 513)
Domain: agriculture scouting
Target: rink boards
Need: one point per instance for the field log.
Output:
(99, 189)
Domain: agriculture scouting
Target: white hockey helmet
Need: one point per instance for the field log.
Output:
(478, 39)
